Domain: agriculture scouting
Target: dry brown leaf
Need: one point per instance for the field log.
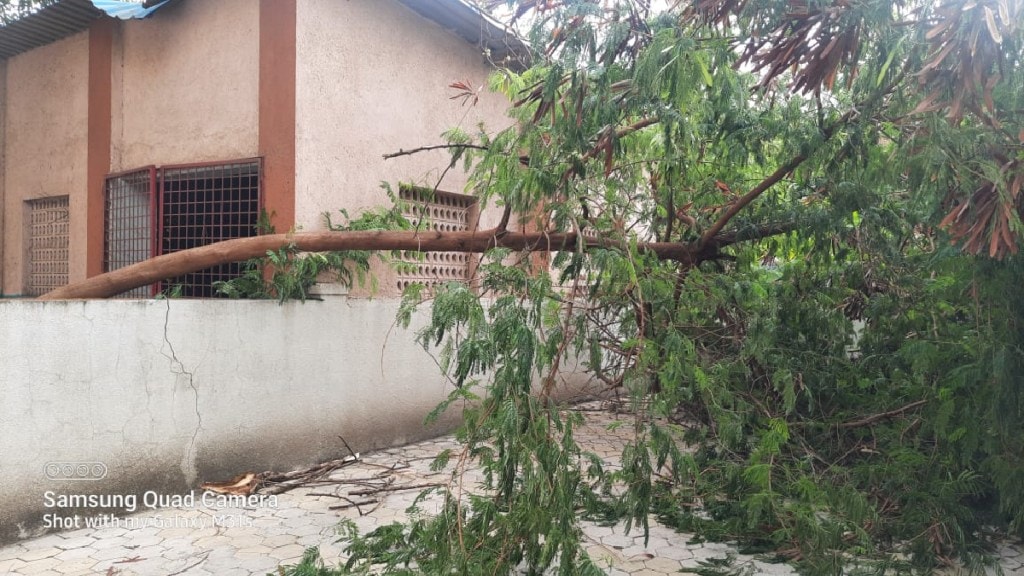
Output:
(1005, 228)
(934, 62)
(993, 245)
(928, 104)
(993, 28)
(1004, 12)
(938, 29)
(243, 484)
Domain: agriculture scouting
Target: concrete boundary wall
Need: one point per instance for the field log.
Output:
(166, 394)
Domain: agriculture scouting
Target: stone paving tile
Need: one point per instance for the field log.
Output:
(79, 542)
(109, 533)
(254, 541)
(39, 566)
(12, 552)
(12, 565)
(81, 566)
(678, 552)
(112, 554)
(664, 565)
(76, 554)
(292, 552)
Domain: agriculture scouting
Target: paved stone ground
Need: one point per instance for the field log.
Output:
(204, 540)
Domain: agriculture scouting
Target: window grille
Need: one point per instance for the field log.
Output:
(48, 244)
(434, 210)
(163, 210)
(206, 204)
(129, 218)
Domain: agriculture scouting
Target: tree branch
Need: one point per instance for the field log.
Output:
(639, 124)
(749, 197)
(751, 233)
(604, 141)
(876, 417)
(782, 172)
(502, 228)
(412, 151)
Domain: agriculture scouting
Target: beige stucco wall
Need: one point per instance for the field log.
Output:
(3, 165)
(185, 85)
(372, 78)
(45, 136)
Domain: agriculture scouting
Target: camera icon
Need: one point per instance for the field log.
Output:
(75, 470)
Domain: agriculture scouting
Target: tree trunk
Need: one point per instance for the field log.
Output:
(241, 249)
(192, 260)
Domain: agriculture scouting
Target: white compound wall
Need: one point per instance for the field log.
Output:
(167, 394)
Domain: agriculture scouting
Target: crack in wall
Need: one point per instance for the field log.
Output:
(188, 463)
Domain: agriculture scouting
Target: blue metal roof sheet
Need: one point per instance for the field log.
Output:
(127, 9)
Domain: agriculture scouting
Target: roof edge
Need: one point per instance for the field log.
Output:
(501, 46)
(47, 25)
(64, 18)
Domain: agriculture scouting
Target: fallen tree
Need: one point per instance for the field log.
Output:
(868, 127)
(192, 260)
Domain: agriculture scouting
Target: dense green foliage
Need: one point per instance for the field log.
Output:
(826, 376)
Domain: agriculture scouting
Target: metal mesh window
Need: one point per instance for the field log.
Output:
(206, 204)
(162, 210)
(442, 211)
(129, 217)
(48, 220)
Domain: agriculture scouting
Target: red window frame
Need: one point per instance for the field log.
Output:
(183, 212)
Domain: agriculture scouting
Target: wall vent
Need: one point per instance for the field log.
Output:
(435, 210)
(48, 232)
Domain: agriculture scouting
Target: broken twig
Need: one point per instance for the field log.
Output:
(876, 417)
(396, 488)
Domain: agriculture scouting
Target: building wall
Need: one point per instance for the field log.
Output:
(3, 166)
(183, 88)
(185, 85)
(171, 393)
(372, 78)
(45, 136)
